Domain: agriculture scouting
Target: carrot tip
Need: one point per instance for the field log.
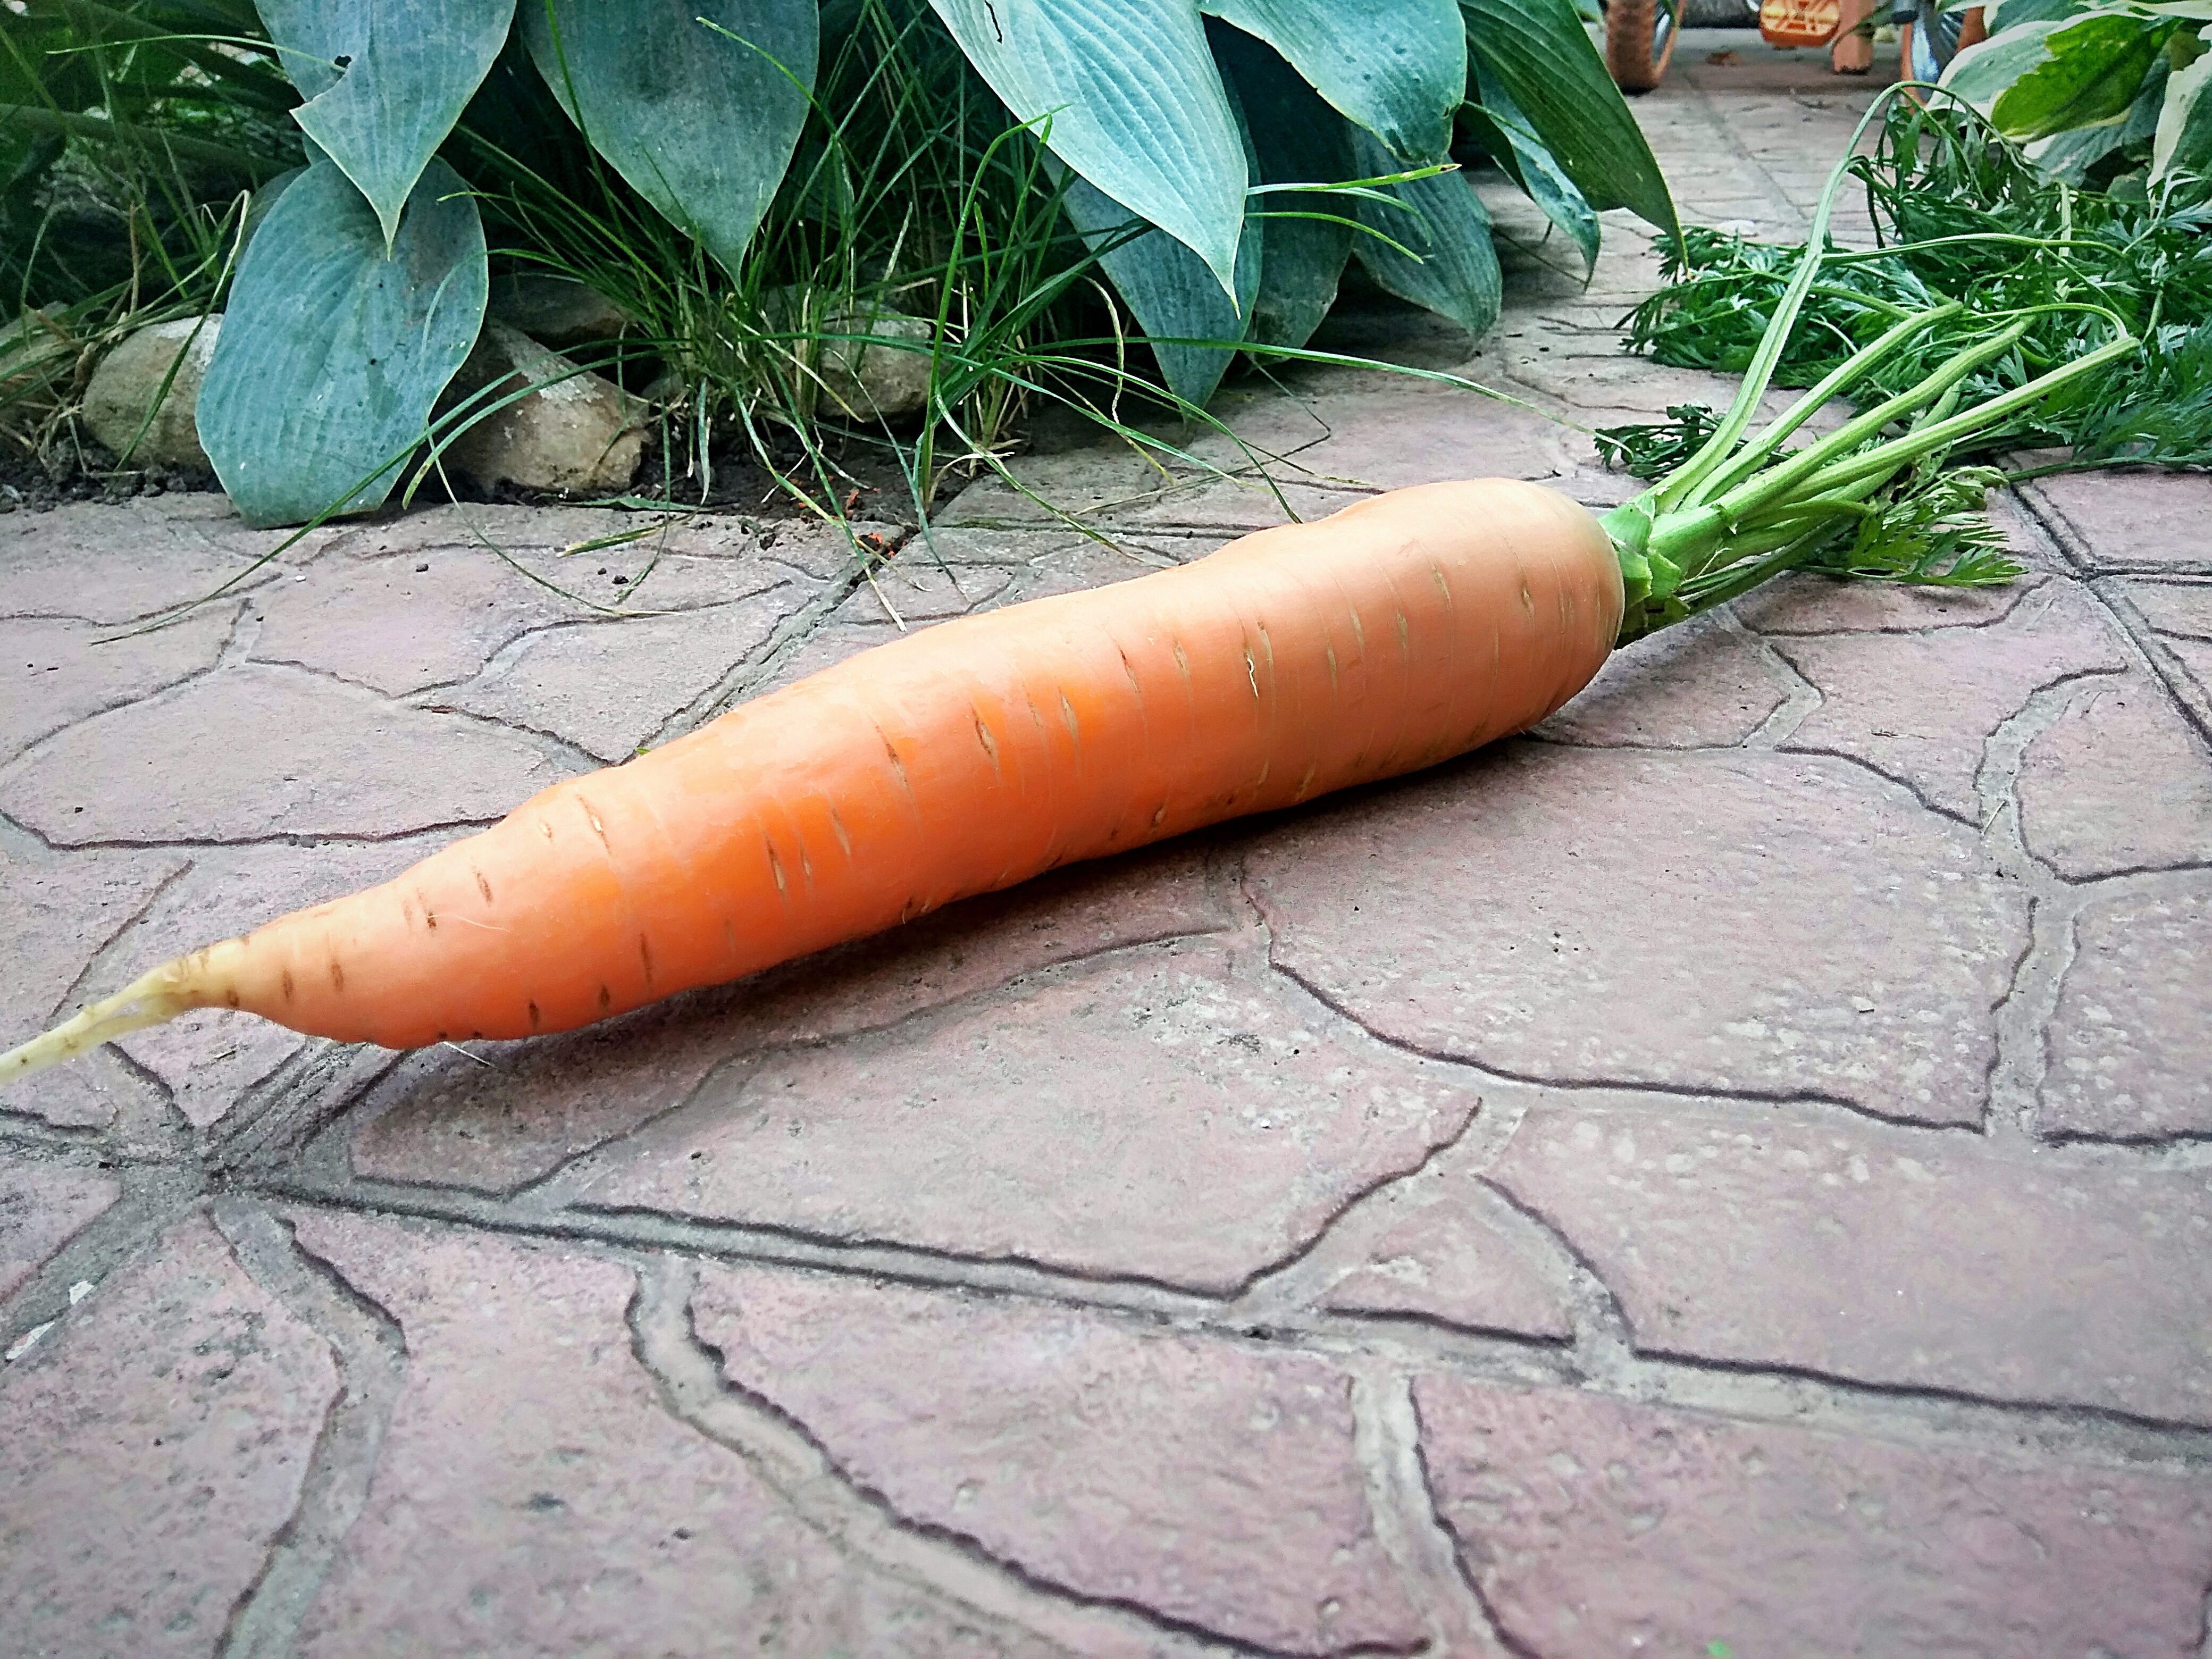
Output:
(150, 1001)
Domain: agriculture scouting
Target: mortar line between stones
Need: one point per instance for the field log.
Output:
(794, 1461)
(369, 1352)
(153, 1197)
(1506, 1640)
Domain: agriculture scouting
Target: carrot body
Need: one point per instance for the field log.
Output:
(965, 759)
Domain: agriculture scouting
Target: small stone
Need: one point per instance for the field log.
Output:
(129, 380)
(576, 431)
(558, 311)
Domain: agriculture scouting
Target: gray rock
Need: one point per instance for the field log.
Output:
(558, 311)
(577, 431)
(861, 381)
(128, 383)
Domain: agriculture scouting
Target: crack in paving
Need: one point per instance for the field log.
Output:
(370, 1352)
(153, 1196)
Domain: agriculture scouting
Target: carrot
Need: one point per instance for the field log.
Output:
(974, 754)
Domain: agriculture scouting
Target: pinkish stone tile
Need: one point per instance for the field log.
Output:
(405, 621)
(42, 1207)
(919, 586)
(1210, 1483)
(2180, 609)
(1175, 1114)
(2130, 1045)
(1445, 1262)
(55, 673)
(209, 1058)
(272, 752)
(533, 1495)
(55, 916)
(609, 686)
(2119, 781)
(1698, 685)
(2133, 521)
(128, 561)
(1685, 920)
(1594, 1528)
(1803, 1239)
(451, 1121)
(150, 1450)
(1803, 604)
(1921, 707)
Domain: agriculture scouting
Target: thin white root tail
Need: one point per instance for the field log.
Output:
(146, 1001)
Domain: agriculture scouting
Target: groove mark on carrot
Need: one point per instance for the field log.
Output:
(776, 868)
(337, 977)
(606, 1001)
(482, 886)
(536, 1018)
(844, 838)
(645, 955)
(288, 984)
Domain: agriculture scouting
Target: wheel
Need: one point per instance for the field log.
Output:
(1639, 39)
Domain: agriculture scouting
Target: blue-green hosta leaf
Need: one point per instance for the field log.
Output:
(384, 80)
(333, 351)
(1296, 139)
(2184, 140)
(701, 124)
(1135, 104)
(1399, 71)
(1457, 275)
(2095, 67)
(1541, 53)
(1534, 168)
(1169, 290)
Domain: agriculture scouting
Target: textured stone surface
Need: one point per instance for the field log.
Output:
(2130, 1045)
(149, 1451)
(1172, 1114)
(2157, 521)
(1667, 919)
(2119, 781)
(42, 1206)
(1942, 1262)
(1593, 1528)
(138, 559)
(1921, 707)
(1801, 603)
(588, 1519)
(448, 1120)
(1215, 1483)
(1446, 1262)
(55, 673)
(1697, 685)
(289, 755)
(55, 915)
(608, 687)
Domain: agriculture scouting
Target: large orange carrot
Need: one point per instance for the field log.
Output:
(965, 759)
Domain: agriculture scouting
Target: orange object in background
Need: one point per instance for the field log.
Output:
(1790, 23)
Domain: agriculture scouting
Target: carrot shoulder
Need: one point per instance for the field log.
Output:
(977, 754)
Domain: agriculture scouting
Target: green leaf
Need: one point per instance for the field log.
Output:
(1169, 289)
(1306, 235)
(1135, 104)
(2096, 66)
(698, 103)
(1399, 71)
(409, 68)
(1985, 70)
(1457, 275)
(2183, 141)
(1513, 144)
(1542, 55)
(333, 351)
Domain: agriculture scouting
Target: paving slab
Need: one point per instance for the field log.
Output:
(1727, 1174)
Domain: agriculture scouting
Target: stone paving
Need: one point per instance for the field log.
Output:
(1730, 1175)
